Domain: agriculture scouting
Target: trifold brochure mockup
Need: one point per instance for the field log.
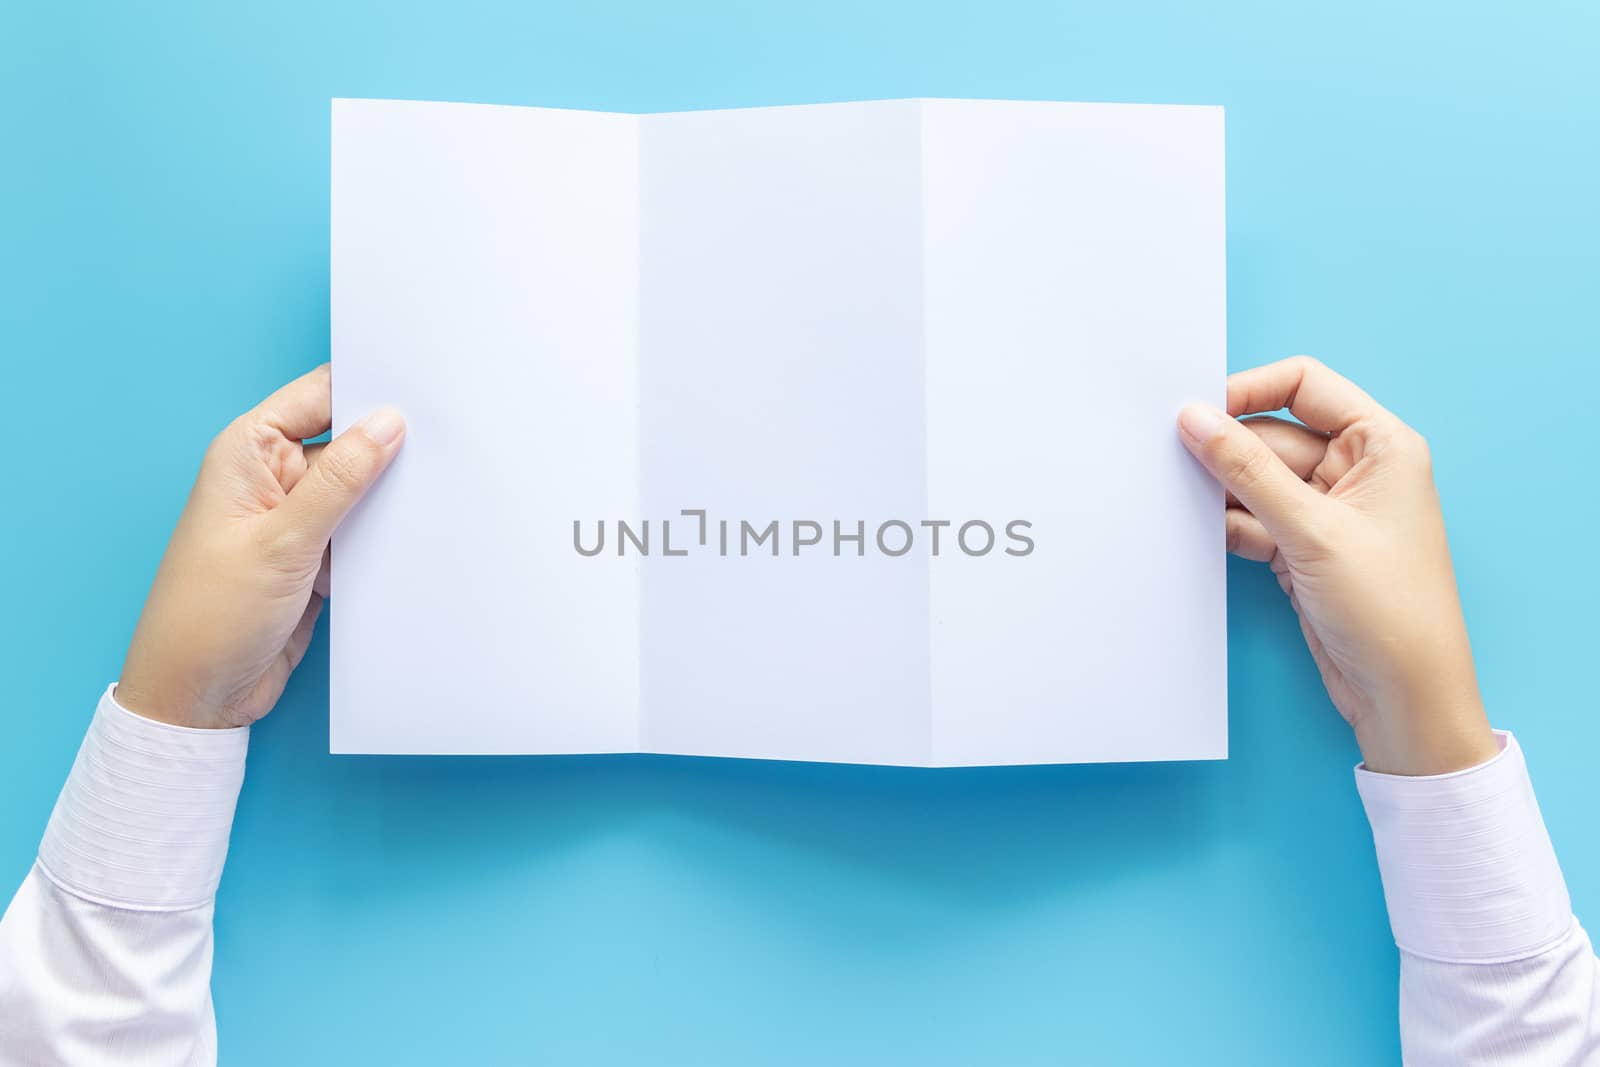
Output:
(841, 432)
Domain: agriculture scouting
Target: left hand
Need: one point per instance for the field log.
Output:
(238, 593)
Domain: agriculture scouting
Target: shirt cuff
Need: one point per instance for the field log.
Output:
(1468, 870)
(143, 820)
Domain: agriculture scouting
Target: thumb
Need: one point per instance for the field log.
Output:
(346, 468)
(1249, 469)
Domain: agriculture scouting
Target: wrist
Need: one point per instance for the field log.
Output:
(1426, 741)
(157, 702)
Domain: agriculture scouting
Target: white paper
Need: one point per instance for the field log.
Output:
(911, 312)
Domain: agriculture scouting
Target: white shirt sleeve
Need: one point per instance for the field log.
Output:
(105, 952)
(1494, 968)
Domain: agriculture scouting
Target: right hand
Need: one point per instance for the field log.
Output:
(1345, 511)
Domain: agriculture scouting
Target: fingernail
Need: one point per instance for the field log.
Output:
(1201, 422)
(384, 426)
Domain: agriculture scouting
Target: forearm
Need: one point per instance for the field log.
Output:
(1494, 967)
(105, 952)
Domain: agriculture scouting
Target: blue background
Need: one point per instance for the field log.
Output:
(1411, 197)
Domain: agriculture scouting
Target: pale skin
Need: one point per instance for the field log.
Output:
(244, 577)
(1341, 506)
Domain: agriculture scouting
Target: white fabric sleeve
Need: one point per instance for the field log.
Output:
(105, 952)
(1494, 968)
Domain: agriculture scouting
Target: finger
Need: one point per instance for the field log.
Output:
(1249, 539)
(295, 464)
(1249, 470)
(1314, 394)
(303, 408)
(1300, 447)
(300, 640)
(344, 471)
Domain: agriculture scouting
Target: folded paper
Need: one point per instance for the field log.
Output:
(839, 432)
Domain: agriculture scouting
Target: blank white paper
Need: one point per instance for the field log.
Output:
(484, 282)
(901, 310)
(1074, 302)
